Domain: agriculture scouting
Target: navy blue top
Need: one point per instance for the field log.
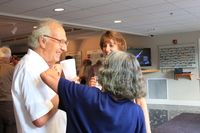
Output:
(91, 111)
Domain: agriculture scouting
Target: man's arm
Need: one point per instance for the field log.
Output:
(51, 78)
(44, 119)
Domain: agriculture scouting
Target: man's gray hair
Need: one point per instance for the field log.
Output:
(121, 76)
(5, 52)
(43, 28)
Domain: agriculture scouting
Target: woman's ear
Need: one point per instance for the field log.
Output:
(42, 41)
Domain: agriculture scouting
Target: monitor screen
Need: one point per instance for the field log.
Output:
(143, 55)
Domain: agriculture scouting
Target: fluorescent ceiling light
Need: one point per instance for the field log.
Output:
(59, 9)
(117, 21)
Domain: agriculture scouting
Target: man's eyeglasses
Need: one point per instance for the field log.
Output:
(61, 42)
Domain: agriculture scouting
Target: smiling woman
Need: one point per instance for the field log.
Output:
(112, 41)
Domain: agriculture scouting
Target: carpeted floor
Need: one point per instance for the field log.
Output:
(183, 123)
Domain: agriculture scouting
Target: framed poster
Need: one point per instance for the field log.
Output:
(178, 56)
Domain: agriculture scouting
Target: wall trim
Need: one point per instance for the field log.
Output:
(173, 102)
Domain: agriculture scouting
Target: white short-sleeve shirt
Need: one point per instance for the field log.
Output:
(31, 97)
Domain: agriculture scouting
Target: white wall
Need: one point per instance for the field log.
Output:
(182, 91)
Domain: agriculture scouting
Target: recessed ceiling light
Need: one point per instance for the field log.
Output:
(34, 27)
(59, 9)
(117, 21)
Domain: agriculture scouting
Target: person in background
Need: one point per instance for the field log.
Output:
(94, 70)
(14, 60)
(84, 71)
(87, 69)
(7, 118)
(36, 105)
(112, 111)
(111, 41)
(81, 72)
(68, 57)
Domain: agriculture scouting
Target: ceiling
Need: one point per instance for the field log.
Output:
(140, 17)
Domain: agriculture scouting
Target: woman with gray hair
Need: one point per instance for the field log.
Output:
(90, 110)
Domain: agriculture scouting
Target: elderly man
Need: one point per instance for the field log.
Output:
(36, 106)
(7, 119)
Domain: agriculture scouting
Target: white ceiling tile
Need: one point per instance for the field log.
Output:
(193, 9)
(154, 21)
(36, 14)
(82, 14)
(197, 14)
(194, 26)
(58, 1)
(81, 21)
(171, 13)
(159, 8)
(110, 8)
(87, 3)
(118, 0)
(102, 17)
(140, 18)
(187, 3)
(190, 21)
(28, 4)
(174, 0)
(164, 24)
(64, 18)
(143, 3)
(8, 9)
(181, 17)
(128, 13)
(174, 26)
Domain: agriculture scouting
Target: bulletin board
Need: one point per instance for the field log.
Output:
(94, 55)
(178, 56)
(77, 56)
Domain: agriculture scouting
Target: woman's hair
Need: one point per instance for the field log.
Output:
(121, 76)
(44, 27)
(5, 52)
(116, 36)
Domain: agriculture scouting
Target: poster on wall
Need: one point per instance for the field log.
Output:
(178, 56)
(77, 56)
(94, 55)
